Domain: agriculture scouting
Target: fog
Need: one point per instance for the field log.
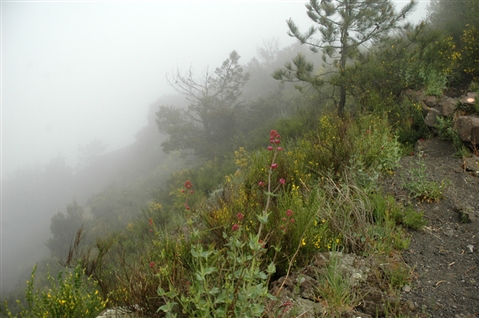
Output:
(73, 72)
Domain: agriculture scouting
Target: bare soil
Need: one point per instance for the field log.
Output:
(444, 256)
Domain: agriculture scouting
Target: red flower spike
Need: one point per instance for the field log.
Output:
(270, 148)
(191, 191)
(235, 227)
(261, 184)
(273, 134)
(279, 148)
(289, 213)
(152, 264)
(292, 220)
(274, 166)
(239, 216)
(282, 181)
(188, 184)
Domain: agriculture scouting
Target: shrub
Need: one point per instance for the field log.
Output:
(69, 295)
(421, 188)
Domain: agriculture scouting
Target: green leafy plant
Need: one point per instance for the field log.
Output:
(421, 188)
(231, 281)
(446, 131)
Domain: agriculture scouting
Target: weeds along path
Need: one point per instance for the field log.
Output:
(444, 256)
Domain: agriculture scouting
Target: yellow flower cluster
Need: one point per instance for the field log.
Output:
(241, 158)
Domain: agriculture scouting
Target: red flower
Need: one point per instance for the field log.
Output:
(152, 264)
(279, 148)
(270, 148)
(282, 181)
(234, 227)
(274, 166)
(188, 184)
(261, 184)
(292, 220)
(273, 134)
(289, 213)
(239, 216)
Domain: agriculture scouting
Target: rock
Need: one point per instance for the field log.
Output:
(406, 288)
(466, 213)
(417, 96)
(448, 106)
(469, 99)
(430, 101)
(471, 164)
(431, 117)
(464, 126)
(308, 308)
(475, 135)
(449, 232)
(470, 249)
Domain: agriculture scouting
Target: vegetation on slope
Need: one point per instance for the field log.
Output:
(299, 181)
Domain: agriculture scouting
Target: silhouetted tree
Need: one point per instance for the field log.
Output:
(207, 126)
(64, 228)
(90, 152)
(344, 26)
(453, 17)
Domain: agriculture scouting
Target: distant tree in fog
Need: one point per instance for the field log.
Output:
(64, 228)
(90, 152)
(207, 126)
(453, 17)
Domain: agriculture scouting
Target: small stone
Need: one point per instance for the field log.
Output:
(410, 305)
(449, 232)
(406, 288)
(470, 248)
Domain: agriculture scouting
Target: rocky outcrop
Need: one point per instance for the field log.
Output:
(465, 115)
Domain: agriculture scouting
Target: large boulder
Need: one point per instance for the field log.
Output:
(448, 106)
(468, 128)
(431, 117)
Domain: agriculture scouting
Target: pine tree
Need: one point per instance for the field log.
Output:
(344, 27)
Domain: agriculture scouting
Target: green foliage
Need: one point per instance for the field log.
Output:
(446, 131)
(344, 27)
(335, 287)
(69, 295)
(63, 228)
(453, 17)
(420, 187)
(470, 52)
(208, 125)
(224, 283)
(386, 209)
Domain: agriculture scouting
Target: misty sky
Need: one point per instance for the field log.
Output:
(75, 71)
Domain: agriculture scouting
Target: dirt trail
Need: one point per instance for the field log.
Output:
(444, 255)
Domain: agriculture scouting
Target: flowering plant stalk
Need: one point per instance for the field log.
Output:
(232, 281)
